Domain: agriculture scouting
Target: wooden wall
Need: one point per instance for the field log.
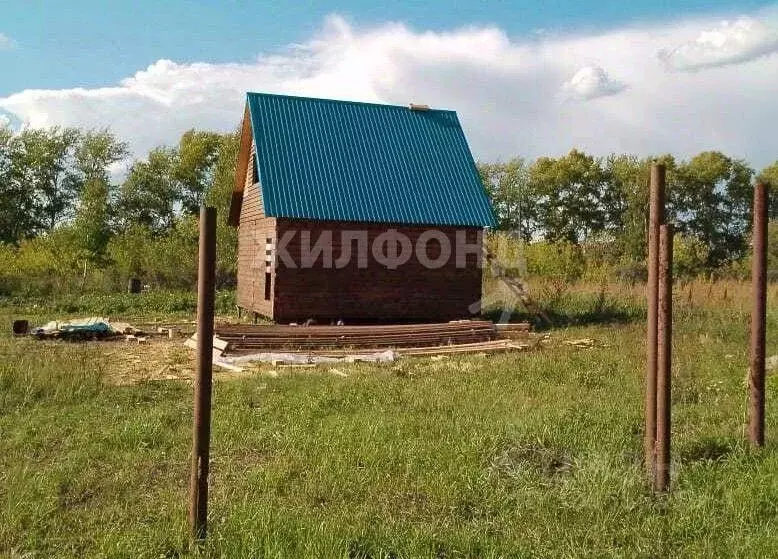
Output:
(253, 231)
(412, 292)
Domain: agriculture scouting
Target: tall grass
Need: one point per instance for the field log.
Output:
(515, 455)
(34, 372)
(585, 302)
(117, 304)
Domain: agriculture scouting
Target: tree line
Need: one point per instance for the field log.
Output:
(74, 215)
(586, 201)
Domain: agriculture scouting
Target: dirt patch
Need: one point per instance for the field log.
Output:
(128, 362)
(159, 358)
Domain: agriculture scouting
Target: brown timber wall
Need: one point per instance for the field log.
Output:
(412, 292)
(253, 231)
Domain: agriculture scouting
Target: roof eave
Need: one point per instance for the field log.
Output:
(240, 169)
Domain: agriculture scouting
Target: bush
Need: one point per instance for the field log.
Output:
(56, 263)
(561, 261)
(690, 256)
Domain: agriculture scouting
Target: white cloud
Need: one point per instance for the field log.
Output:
(6, 43)
(590, 82)
(9, 119)
(506, 90)
(730, 42)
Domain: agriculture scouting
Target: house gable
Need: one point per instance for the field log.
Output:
(360, 162)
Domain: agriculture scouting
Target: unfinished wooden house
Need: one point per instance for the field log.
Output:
(357, 212)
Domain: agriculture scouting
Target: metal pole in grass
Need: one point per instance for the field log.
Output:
(655, 219)
(756, 377)
(198, 482)
(664, 359)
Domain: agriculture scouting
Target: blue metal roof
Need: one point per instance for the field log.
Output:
(347, 161)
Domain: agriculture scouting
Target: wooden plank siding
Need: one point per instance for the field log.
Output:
(411, 292)
(246, 149)
(253, 231)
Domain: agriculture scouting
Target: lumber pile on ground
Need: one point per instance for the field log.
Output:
(314, 357)
(251, 339)
(494, 346)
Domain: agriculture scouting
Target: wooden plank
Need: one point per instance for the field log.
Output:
(458, 349)
(407, 328)
(243, 157)
(247, 339)
(218, 343)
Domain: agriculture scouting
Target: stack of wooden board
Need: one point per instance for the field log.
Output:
(251, 339)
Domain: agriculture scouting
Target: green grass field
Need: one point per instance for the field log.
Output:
(518, 455)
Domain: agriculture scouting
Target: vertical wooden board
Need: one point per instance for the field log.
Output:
(253, 229)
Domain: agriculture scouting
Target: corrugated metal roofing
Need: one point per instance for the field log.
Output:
(348, 161)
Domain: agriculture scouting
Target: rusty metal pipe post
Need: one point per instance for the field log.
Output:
(664, 359)
(756, 377)
(655, 219)
(198, 483)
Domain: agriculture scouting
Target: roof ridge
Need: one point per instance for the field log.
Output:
(349, 101)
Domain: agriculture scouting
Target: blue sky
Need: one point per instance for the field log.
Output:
(88, 43)
(527, 78)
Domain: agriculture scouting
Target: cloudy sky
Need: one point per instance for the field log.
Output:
(527, 78)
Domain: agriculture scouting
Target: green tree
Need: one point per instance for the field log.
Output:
(573, 197)
(149, 193)
(132, 252)
(712, 196)
(198, 153)
(38, 185)
(96, 153)
(49, 159)
(770, 176)
(507, 185)
(17, 220)
(176, 254)
(628, 176)
(772, 249)
(690, 256)
(55, 261)
(220, 197)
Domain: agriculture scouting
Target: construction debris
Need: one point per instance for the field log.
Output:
(304, 346)
(316, 357)
(92, 328)
(170, 331)
(219, 345)
(307, 358)
(218, 362)
(583, 343)
(21, 327)
(506, 327)
(137, 339)
(124, 328)
(515, 285)
(495, 346)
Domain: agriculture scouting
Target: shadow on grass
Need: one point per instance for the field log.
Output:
(708, 449)
(560, 317)
(539, 456)
(561, 307)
